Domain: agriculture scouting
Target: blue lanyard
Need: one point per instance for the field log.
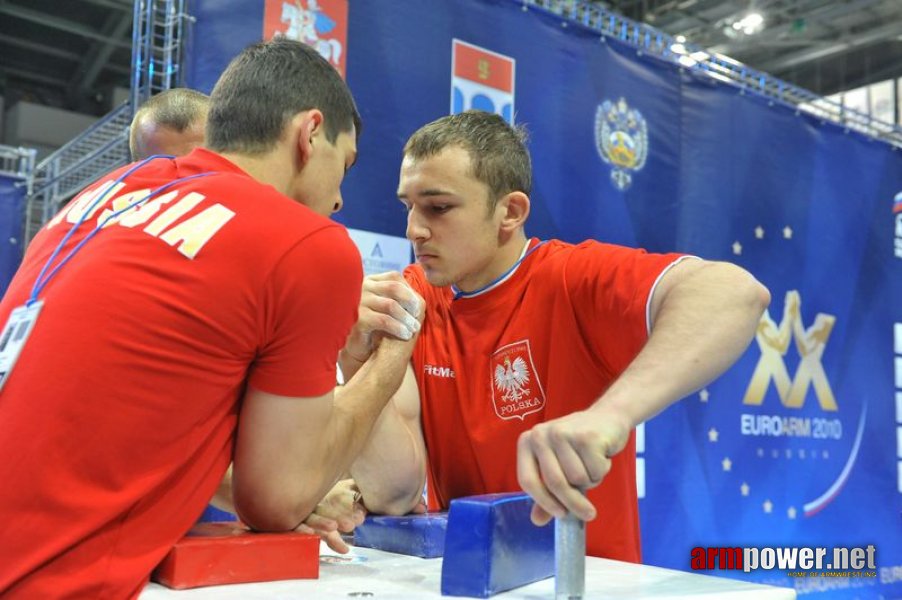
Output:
(43, 280)
(460, 294)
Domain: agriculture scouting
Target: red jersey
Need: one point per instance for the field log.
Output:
(544, 343)
(117, 422)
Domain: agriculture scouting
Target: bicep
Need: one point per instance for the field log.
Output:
(407, 400)
(276, 436)
(675, 274)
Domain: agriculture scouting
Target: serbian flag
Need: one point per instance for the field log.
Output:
(481, 80)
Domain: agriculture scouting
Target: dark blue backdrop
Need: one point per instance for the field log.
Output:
(805, 206)
(12, 211)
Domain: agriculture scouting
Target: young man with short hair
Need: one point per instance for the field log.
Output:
(192, 318)
(537, 359)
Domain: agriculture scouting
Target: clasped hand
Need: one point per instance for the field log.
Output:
(560, 459)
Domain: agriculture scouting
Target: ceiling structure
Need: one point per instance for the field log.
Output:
(65, 53)
(71, 53)
(826, 46)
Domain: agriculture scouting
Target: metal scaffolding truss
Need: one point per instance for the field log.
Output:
(97, 150)
(157, 49)
(17, 163)
(651, 41)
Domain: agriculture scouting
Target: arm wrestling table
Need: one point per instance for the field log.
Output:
(368, 573)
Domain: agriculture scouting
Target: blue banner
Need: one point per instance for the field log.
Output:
(800, 443)
(12, 212)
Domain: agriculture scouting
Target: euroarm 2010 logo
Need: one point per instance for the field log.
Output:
(784, 449)
(791, 414)
(773, 341)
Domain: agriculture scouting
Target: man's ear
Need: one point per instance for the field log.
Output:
(514, 209)
(307, 128)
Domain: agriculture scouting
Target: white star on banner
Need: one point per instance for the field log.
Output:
(788, 453)
(759, 232)
(787, 232)
(744, 489)
(703, 395)
(727, 464)
(712, 435)
(801, 453)
(760, 452)
(791, 513)
(768, 506)
(737, 248)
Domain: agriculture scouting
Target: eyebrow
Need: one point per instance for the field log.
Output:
(428, 193)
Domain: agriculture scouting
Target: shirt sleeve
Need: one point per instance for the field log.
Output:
(310, 305)
(610, 288)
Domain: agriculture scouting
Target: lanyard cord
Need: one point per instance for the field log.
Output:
(43, 280)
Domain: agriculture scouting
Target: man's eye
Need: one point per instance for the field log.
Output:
(440, 208)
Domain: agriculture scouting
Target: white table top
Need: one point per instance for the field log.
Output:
(368, 573)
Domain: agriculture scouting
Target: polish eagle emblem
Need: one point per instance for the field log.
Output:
(511, 379)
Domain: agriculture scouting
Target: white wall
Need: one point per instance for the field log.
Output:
(42, 127)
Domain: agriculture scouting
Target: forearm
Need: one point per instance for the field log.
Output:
(349, 363)
(391, 470)
(703, 317)
(361, 401)
(702, 326)
(281, 476)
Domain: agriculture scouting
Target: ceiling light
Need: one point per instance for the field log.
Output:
(753, 20)
(678, 48)
(750, 24)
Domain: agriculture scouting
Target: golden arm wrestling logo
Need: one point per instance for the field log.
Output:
(621, 137)
(795, 437)
(773, 340)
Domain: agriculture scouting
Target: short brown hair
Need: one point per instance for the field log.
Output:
(265, 86)
(498, 154)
